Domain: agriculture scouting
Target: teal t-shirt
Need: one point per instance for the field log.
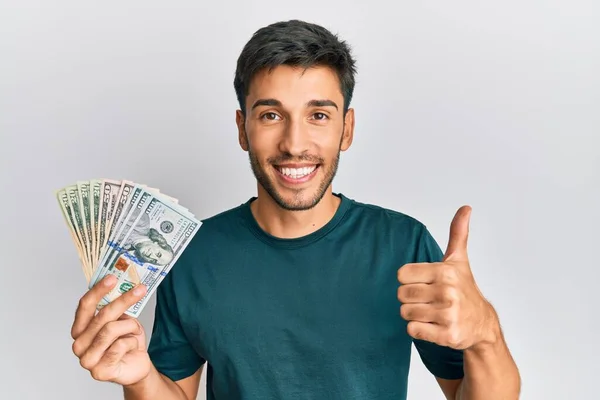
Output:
(315, 317)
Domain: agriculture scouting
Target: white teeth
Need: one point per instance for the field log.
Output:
(297, 172)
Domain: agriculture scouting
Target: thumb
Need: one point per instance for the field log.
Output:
(459, 234)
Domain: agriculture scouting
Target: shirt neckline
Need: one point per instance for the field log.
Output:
(290, 243)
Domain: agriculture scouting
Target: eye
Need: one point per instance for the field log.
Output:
(320, 116)
(271, 116)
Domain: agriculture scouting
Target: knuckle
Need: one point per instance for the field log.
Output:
(83, 302)
(449, 295)
(453, 338)
(77, 348)
(135, 325)
(122, 346)
(85, 362)
(99, 374)
(118, 347)
(140, 328)
(86, 302)
(110, 329)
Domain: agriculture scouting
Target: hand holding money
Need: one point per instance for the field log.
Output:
(127, 230)
(109, 344)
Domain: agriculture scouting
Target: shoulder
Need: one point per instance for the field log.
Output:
(386, 218)
(403, 231)
(216, 228)
(223, 220)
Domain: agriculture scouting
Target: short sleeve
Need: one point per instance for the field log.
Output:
(169, 349)
(443, 362)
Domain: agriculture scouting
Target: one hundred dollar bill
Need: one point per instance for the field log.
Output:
(152, 243)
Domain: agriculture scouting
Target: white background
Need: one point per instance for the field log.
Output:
(492, 105)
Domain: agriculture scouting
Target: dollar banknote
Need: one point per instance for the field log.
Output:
(109, 191)
(72, 192)
(83, 190)
(67, 211)
(125, 229)
(115, 232)
(95, 186)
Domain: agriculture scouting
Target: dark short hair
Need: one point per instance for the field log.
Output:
(294, 43)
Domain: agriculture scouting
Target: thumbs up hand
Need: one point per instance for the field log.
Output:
(441, 301)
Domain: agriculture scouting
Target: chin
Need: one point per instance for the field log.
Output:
(296, 204)
(297, 199)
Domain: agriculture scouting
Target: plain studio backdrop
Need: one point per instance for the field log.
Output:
(491, 105)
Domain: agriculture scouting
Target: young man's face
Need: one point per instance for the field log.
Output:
(294, 131)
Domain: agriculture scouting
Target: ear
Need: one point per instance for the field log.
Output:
(348, 133)
(241, 124)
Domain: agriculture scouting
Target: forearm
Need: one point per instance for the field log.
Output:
(154, 387)
(490, 372)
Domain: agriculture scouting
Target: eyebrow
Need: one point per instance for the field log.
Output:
(277, 103)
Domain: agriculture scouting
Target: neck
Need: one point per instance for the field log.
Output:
(288, 224)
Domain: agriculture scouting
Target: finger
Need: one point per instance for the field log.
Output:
(419, 312)
(459, 235)
(91, 348)
(116, 309)
(425, 331)
(416, 293)
(105, 369)
(417, 273)
(88, 303)
(111, 312)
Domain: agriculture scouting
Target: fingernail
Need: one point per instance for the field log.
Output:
(138, 290)
(109, 280)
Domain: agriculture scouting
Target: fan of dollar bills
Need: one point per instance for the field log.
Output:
(128, 230)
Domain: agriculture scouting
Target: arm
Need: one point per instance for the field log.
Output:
(158, 386)
(490, 370)
(444, 306)
(490, 373)
(176, 364)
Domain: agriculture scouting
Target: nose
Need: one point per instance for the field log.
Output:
(295, 140)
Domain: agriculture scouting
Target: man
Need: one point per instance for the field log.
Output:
(300, 292)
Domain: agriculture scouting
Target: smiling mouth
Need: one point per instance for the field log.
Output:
(296, 172)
